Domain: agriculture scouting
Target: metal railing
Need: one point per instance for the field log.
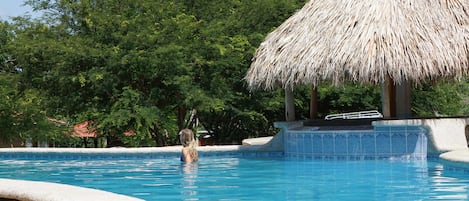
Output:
(355, 115)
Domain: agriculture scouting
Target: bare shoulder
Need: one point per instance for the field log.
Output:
(185, 150)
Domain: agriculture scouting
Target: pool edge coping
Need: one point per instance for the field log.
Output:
(456, 158)
(47, 191)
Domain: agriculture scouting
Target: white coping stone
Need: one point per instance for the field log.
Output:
(257, 141)
(170, 149)
(46, 191)
(92, 150)
(458, 156)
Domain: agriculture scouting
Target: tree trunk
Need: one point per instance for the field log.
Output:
(181, 117)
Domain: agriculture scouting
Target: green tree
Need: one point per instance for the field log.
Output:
(442, 98)
(21, 113)
(131, 113)
(100, 49)
(7, 63)
(232, 30)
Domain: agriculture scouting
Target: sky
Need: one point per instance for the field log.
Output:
(9, 8)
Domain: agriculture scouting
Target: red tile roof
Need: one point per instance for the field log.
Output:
(83, 129)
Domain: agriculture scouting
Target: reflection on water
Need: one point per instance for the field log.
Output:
(189, 181)
(448, 187)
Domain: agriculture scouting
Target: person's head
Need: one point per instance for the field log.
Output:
(186, 136)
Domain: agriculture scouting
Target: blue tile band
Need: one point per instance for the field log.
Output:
(383, 142)
(127, 156)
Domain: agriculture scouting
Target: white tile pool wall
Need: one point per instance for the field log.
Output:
(407, 142)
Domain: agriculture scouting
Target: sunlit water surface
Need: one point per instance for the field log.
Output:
(234, 178)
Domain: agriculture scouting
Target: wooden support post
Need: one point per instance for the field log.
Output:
(388, 93)
(403, 100)
(313, 105)
(289, 105)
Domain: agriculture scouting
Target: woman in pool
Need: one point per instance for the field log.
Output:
(189, 153)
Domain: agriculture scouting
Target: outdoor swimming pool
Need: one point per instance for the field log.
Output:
(244, 177)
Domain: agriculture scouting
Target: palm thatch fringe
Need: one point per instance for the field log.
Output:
(365, 40)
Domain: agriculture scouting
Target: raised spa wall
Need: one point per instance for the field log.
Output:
(408, 138)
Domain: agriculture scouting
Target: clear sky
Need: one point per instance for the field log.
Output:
(11, 8)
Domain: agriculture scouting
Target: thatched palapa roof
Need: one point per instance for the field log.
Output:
(365, 40)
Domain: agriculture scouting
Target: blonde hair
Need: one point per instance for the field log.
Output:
(186, 136)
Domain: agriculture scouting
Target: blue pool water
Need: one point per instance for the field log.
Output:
(251, 178)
